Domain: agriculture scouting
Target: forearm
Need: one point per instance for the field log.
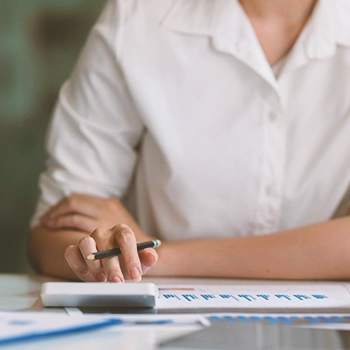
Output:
(320, 251)
(46, 250)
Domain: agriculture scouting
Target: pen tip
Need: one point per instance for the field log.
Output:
(157, 243)
(90, 257)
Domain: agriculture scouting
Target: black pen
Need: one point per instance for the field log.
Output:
(116, 251)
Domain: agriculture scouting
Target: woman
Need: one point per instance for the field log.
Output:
(220, 127)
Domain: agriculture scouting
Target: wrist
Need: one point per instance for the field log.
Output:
(171, 261)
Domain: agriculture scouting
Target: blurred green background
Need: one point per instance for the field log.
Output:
(39, 44)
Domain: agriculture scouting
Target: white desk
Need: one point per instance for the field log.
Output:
(22, 293)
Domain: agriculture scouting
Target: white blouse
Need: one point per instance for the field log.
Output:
(174, 108)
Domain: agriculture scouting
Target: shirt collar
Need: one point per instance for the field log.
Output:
(328, 27)
(216, 18)
(229, 28)
(227, 25)
(221, 19)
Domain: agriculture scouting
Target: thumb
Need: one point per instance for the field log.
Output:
(148, 258)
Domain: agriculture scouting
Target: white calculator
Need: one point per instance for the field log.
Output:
(98, 294)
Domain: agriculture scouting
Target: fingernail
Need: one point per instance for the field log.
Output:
(46, 217)
(135, 274)
(101, 277)
(84, 271)
(155, 256)
(49, 221)
(115, 279)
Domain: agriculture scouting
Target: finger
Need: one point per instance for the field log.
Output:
(125, 239)
(72, 221)
(78, 264)
(62, 207)
(110, 265)
(87, 245)
(113, 270)
(74, 203)
(148, 258)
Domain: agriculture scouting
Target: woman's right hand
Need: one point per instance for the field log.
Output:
(131, 264)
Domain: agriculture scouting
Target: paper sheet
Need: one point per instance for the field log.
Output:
(30, 325)
(17, 326)
(257, 296)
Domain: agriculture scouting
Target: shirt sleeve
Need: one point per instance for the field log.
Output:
(95, 130)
